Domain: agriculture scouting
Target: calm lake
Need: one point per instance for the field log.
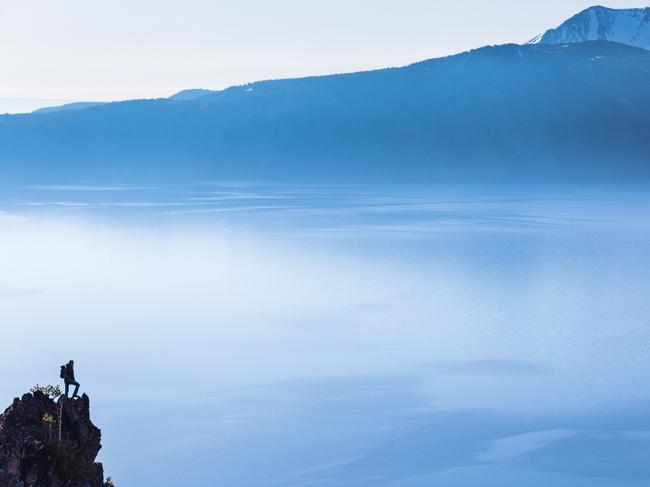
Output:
(233, 334)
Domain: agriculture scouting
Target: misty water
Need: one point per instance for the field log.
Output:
(260, 335)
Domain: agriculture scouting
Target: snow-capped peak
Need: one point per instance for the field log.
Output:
(627, 26)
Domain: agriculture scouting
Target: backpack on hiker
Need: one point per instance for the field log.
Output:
(63, 374)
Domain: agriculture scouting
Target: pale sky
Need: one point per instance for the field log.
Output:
(64, 50)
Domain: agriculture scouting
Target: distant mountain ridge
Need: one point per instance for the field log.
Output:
(573, 103)
(627, 26)
(79, 105)
(184, 95)
(528, 112)
(192, 94)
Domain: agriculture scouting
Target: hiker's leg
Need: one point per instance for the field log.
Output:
(76, 389)
(67, 388)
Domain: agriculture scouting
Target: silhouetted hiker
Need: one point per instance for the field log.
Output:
(67, 374)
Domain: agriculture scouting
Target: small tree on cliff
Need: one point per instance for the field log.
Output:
(49, 390)
(50, 422)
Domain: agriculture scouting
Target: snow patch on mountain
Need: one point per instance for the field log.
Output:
(627, 26)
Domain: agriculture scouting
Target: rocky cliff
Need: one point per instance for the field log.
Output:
(44, 443)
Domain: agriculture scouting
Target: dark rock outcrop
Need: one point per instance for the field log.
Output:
(33, 455)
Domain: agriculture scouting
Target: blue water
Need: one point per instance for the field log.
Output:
(258, 335)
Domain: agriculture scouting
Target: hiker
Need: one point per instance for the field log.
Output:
(67, 374)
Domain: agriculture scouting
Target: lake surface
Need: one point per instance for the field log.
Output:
(259, 335)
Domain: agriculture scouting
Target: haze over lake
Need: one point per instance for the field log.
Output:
(252, 335)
